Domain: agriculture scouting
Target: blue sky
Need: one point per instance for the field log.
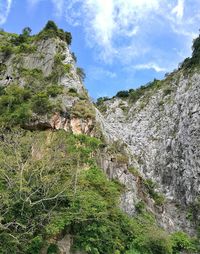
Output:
(121, 44)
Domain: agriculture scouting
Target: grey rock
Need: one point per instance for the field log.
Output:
(164, 139)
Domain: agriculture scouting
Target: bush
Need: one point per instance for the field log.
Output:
(122, 94)
(14, 105)
(193, 61)
(74, 57)
(140, 206)
(80, 72)
(54, 90)
(2, 69)
(52, 31)
(153, 241)
(26, 48)
(68, 38)
(26, 31)
(134, 171)
(7, 50)
(40, 104)
(35, 245)
(157, 197)
(50, 25)
(122, 158)
(167, 91)
(83, 109)
(52, 249)
(181, 242)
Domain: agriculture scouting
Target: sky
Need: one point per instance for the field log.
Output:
(121, 44)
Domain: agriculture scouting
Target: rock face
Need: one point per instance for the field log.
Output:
(42, 59)
(57, 122)
(50, 63)
(75, 124)
(162, 132)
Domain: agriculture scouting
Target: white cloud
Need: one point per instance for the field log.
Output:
(116, 26)
(133, 31)
(179, 9)
(106, 21)
(5, 6)
(148, 66)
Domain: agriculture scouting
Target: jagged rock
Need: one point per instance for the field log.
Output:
(164, 138)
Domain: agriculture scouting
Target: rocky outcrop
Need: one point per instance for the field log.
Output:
(64, 245)
(162, 132)
(75, 124)
(57, 122)
(43, 58)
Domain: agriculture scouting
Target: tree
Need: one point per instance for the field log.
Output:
(26, 31)
(51, 26)
(80, 72)
(68, 38)
(122, 94)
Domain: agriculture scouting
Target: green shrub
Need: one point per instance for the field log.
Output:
(68, 38)
(67, 68)
(53, 249)
(40, 103)
(122, 158)
(140, 206)
(153, 241)
(35, 245)
(101, 105)
(74, 57)
(7, 50)
(2, 68)
(158, 197)
(72, 92)
(52, 31)
(83, 109)
(122, 94)
(50, 25)
(132, 251)
(27, 48)
(14, 106)
(167, 91)
(181, 242)
(54, 90)
(193, 61)
(134, 171)
(80, 72)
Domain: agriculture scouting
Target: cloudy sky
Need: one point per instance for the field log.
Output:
(121, 44)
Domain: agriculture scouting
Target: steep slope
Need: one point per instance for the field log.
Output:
(160, 124)
(42, 72)
(74, 180)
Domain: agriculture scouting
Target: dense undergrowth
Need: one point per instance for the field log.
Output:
(51, 186)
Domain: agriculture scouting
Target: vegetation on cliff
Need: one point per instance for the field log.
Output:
(50, 183)
(51, 186)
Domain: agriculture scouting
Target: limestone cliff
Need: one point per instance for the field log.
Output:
(162, 132)
(149, 144)
(49, 67)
